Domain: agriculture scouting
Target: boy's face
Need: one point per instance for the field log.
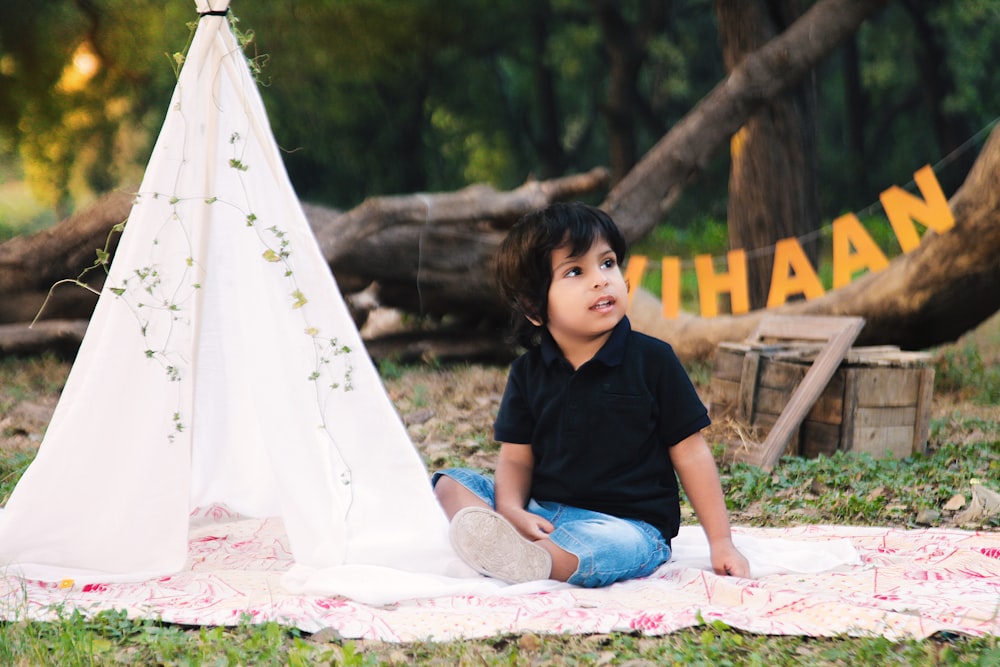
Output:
(588, 296)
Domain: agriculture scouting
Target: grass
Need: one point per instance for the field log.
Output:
(111, 638)
(962, 370)
(859, 489)
(30, 378)
(447, 411)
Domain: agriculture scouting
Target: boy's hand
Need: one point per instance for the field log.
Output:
(727, 560)
(529, 525)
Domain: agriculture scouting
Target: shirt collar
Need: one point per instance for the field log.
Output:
(610, 354)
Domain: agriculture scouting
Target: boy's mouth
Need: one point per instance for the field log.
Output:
(603, 303)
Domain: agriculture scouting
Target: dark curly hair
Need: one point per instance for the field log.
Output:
(523, 263)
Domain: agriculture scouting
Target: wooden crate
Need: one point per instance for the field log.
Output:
(877, 401)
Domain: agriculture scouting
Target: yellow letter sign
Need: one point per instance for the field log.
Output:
(792, 274)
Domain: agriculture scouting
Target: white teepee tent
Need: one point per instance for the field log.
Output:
(221, 367)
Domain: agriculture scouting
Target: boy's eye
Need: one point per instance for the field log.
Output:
(575, 271)
(608, 263)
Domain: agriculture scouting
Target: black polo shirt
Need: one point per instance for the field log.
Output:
(601, 434)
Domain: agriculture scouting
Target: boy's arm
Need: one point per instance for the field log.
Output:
(696, 469)
(513, 488)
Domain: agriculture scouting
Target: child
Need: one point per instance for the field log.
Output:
(594, 423)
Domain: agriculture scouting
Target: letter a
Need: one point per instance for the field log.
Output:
(792, 274)
(847, 232)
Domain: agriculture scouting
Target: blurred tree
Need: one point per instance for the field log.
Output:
(910, 89)
(82, 89)
(773, 191)
(373, 97)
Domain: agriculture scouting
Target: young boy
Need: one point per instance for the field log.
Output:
(595, 425)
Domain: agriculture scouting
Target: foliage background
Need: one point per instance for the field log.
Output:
(375, 97)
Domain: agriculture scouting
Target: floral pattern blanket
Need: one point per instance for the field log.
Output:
(886, 582)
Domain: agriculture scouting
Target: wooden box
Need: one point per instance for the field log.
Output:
(878, 400)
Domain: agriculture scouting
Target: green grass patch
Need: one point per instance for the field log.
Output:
(112, 638)
(962, 371)
(858, 489)
(12, 466)
(31, 377)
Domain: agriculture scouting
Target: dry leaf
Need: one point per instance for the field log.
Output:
(956, 503)
(985, 505)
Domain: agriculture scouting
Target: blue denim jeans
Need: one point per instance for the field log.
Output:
(609, 548)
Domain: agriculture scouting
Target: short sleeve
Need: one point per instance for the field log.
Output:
(515, 422)
(682, 412)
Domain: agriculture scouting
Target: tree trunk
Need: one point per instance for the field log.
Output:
(856, 110)
(773, 192)
(625, 46)
(30, 265)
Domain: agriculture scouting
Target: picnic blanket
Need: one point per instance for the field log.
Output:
(808, 580)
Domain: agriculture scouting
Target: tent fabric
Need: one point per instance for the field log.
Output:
(221, 366)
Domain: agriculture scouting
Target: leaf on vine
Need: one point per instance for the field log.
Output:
(271, 256)
(300, 299)
(312, 331)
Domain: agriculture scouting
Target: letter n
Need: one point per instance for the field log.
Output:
(902, 209)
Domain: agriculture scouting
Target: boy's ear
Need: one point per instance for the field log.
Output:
(530, 312)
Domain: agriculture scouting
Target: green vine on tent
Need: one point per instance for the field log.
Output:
(245, 39)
